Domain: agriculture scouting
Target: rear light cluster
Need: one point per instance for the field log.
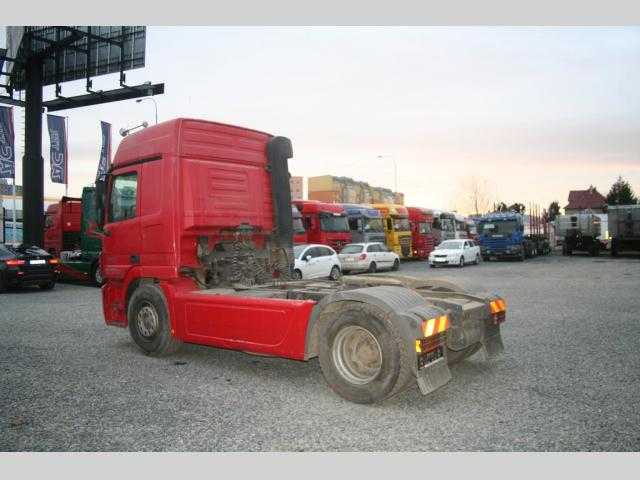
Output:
(433, 331)
(498, 310)
(363, 256)
(54, 261)
(14, 263)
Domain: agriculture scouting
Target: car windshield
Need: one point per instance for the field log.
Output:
(298, 249)
(500, 227)
(352, 249)
(400, 224)
(424, 227)
(373, 225)
(451, 245)
(331, 223)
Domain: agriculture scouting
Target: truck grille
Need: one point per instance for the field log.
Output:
(405, 246)
(70, 240)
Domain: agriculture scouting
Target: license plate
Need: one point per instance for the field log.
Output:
(37, 262)
(348, 259)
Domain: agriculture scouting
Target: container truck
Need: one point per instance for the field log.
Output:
(444, 227)
(83, 262)
(365, 223)
(396, 227)
(299, 233)
(624, 228)
(197, 248)
(579, 232)
(422, 241)
(325, 223)
(62, 225)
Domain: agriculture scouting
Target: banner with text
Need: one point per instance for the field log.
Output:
(7, 144)
(58, 148)
(105, 151)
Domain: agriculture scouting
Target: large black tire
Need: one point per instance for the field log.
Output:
(396, 265)
(457, 356)
(363, 374)
(48, 285)
(96, 274)
(297, 274)
(461, 262)
(373, 268)
(520, 257)
(335, 273)
(594, 251)
(149, 323)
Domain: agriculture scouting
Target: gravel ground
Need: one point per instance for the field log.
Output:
(568, 380)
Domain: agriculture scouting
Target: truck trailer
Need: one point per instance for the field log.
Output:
(579, 232)
(197, 248)
(62, 225)
(396, 227)
(624, 228)
(365, 223)
(422, 241)
(325, 223)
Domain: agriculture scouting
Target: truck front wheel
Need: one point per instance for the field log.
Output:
(149, 324)
(361, 357)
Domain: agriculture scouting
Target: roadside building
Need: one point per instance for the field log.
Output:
(589, 199)
(296, 188)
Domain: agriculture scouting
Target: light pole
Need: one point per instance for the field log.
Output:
(154, 104)
(395, 170)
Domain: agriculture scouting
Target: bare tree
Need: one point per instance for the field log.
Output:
(473, 195)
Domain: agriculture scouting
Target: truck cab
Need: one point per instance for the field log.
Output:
(197, 245)
(62, 225)
(444, 227)
(365, 223)
(396, 227)
(421, 221)
(299, 233)
(325, 223)
(501, 235)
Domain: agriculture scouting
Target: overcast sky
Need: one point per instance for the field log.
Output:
(534, 111)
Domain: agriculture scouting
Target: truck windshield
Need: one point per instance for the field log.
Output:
(373, 225)
(298, 227)
(499, 227)
(329, 223)
(424, 228)
(400, 224)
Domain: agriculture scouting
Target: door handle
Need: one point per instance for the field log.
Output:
(134, 259)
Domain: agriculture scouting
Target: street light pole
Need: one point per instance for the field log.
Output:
(154, 104)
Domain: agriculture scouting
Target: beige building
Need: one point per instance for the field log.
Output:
(295, 183)
(327, 188)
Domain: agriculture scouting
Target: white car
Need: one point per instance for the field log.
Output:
(455, 252)
(316, 261)
(368, 257)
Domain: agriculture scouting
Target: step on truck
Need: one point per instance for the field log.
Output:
(83, 262)
(365, 223)
(197, 248)
(325, 223)
(422, 240)
(624, 228)
(579, 232)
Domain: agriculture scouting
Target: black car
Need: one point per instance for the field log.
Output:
(25, 265)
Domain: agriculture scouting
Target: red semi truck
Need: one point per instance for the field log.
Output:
(325, 223)
(197, 247)
(422, 240)
(62, 226)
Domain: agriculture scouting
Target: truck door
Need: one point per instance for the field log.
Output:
(122, 241)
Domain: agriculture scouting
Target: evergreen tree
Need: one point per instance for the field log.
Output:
(621, 193)
(554, 210)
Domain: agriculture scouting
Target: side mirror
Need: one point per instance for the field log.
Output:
(308, 257)
(99, 202)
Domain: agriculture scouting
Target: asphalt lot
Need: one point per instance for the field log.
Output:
(569, 378)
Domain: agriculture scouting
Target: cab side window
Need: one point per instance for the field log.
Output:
(123, 198)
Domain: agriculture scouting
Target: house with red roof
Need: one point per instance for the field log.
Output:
(589, 199)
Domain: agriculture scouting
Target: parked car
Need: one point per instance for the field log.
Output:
(23, 265)
(368, 257)
(316, 261)
(455, 252)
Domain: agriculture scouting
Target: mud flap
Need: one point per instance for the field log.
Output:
(433, 376)
(491, 344)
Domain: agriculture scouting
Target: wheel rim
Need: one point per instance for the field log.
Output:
(372, 267)
(297, 275)
(334, 273)
(462, 261)
(147, 320)
(357, 355)
(98, 276)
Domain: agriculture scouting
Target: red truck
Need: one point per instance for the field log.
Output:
(197, 247)
(422, 239)
(325, 223)
(62, 225)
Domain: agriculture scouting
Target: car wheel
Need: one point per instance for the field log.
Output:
(96, 274)
(335, 273)
(461, 263)
(48, 285)
(372, 267)
(149, 323)
(396, 265)
(477, 259)
(297, 274)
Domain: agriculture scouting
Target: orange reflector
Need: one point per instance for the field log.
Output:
(429, 327)
(443, 323)
(418, 347)
(494, 307)
(502, 304)
(54, 261)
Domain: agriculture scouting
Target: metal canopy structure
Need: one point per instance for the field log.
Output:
(37, 56)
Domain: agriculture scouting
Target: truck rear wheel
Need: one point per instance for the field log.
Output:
(149, 323)
(362, 359)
